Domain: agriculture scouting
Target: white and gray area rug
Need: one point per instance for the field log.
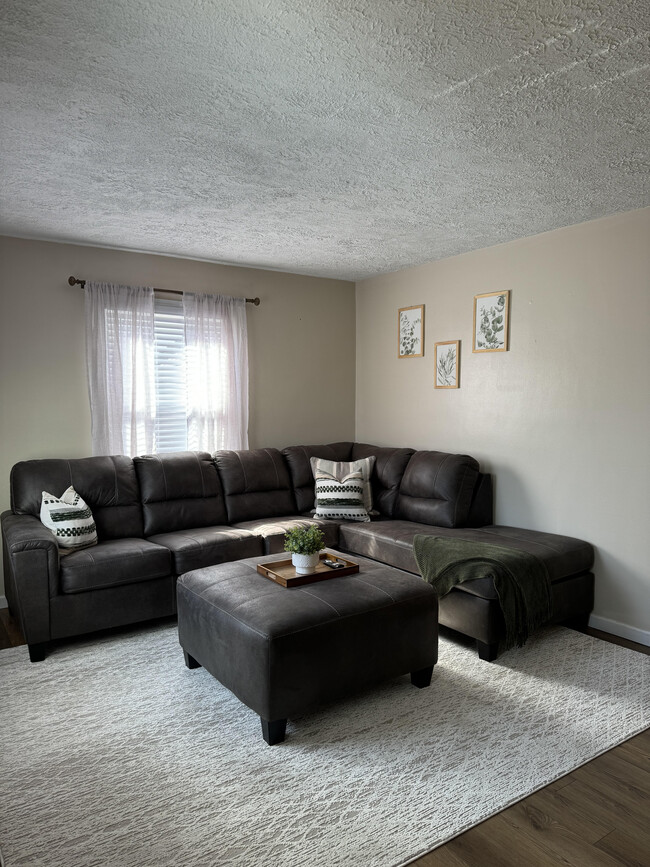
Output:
(113, 753)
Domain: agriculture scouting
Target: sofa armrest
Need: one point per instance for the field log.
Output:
(31, 564)
(25, 533)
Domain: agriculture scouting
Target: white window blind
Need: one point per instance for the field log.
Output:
(170, 365)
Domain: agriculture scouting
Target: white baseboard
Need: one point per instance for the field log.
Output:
(3, 602)
(632, 633)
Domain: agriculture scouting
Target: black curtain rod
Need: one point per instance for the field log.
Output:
(74, 281)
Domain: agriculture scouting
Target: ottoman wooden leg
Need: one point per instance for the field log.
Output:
(37, 651)
(273, 730)
(190, 662)
(422, 677)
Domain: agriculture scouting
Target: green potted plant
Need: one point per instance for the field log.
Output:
(304, 545)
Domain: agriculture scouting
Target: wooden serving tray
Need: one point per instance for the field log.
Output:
(282, 571)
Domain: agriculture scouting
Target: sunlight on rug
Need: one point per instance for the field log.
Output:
(113, 753)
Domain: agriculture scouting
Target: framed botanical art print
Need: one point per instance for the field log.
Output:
(491, 322)
(447, 354)
(410, 332)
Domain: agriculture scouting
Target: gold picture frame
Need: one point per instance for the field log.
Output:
(447, 364)
(410, 331)
(491, 313)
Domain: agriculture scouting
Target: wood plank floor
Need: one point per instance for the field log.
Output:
(597, 816)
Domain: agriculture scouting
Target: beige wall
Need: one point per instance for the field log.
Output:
(563, 418)
(300, 390)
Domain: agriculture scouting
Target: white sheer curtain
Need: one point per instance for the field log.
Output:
(217, 372)
(120, 365)
(129, 411)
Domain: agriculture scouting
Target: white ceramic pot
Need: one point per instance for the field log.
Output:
(305, 563)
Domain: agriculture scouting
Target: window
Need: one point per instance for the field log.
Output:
(165, 373)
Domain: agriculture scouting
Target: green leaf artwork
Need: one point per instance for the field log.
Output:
(410, 332)
(446, 366)
(491, 321)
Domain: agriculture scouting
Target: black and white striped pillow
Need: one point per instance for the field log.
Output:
(340, 499)
(69, 518)
(343, 469)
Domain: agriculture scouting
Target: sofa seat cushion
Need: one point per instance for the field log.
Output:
(272, 530)
(112, 563)
(207, 546)
(392, 543)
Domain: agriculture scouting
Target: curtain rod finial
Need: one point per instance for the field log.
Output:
(73, 281)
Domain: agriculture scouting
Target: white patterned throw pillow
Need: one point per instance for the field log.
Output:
(343, 488)
(69, 518)
(342, 499)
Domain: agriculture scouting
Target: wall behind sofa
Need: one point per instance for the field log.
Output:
(563, 418)
(296, 381)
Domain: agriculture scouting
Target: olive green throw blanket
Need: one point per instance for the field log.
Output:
(520, 579)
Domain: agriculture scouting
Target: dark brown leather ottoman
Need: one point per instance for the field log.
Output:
(283, 650)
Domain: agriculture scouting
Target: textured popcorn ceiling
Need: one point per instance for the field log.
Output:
(339, 138)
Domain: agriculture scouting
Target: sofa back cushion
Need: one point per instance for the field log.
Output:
(107, 484)
(437, 489)
(180, 491)
(302, 478)
(390, 465)
(256, 484)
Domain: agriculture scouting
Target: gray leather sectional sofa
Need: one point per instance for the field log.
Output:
(159, 516)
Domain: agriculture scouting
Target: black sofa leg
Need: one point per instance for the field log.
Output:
(273, 731)
(422, 677)
(190, 662)
(580, 622)
(37, 651)
(487, 652)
